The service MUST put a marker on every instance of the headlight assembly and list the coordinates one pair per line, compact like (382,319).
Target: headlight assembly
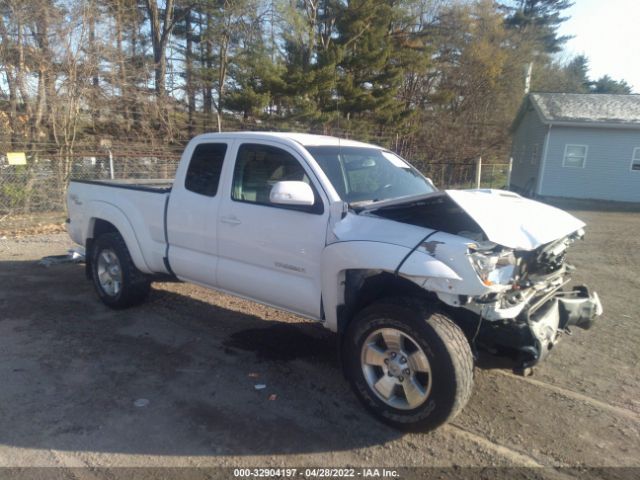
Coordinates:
(493,268)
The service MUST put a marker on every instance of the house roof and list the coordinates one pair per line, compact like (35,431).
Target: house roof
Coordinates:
(585,109)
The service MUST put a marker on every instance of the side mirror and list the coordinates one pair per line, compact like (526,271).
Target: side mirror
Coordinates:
(292,193)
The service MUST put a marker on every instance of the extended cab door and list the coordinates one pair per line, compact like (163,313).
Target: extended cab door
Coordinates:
(268,252)
(193,211)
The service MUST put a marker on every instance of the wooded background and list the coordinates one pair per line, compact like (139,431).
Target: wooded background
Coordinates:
(438,81)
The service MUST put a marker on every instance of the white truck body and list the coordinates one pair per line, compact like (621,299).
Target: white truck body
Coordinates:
(303,261)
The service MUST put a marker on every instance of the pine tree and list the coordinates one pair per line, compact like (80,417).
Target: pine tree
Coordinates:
(539,20)
(370,68)
(606,84)
(577,73)
(307,89)
(256,80)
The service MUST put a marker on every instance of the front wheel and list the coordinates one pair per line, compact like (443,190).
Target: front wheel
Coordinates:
(412,367)
(117,281)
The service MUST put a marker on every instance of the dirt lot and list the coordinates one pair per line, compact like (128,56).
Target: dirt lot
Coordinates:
(71,371)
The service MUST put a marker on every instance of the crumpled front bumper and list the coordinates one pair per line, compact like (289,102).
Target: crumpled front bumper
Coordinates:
(549,319)
(578,307)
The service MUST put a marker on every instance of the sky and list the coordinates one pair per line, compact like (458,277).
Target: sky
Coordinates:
(607,33)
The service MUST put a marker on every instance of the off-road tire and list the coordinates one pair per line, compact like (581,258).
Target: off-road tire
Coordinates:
(442,341)
(135,285)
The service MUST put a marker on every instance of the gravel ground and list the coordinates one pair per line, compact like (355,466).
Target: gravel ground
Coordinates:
(72,373)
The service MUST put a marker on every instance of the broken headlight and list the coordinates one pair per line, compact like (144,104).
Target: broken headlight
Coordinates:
(493,268)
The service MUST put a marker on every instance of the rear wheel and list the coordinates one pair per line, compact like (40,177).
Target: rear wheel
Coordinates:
(411,367)
(117,281)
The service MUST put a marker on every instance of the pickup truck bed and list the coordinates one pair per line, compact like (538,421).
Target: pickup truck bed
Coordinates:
(145,204)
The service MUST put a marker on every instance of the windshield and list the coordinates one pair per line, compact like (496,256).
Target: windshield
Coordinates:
(361,174)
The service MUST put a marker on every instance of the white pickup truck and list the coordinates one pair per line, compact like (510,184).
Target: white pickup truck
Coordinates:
(414,280)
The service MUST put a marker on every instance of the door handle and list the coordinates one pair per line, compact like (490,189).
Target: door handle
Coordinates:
(232,220)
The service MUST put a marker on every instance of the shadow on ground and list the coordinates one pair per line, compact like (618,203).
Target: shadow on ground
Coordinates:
(210,379)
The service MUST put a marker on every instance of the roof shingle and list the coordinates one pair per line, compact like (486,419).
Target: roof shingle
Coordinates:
(588,108)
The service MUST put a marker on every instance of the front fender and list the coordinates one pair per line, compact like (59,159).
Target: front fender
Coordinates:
(339,257)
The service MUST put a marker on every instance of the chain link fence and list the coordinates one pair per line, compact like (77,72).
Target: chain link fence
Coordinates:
(35,193)
(465,175)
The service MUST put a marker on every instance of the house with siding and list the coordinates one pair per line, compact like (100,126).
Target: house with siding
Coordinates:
(577,146)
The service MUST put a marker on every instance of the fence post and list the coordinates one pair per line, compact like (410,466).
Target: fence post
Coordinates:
(509,173)
(478,172)
(111,165)
(106,144)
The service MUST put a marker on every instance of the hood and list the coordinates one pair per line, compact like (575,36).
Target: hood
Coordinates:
(499,216)
(513,221)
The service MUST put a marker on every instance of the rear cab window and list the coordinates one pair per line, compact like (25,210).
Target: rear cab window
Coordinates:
(205,167)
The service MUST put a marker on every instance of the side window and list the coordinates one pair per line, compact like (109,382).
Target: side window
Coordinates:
(574,156)
(259,167)
(204,170)
(635,159)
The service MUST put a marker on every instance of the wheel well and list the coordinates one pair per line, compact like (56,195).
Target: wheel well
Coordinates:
(363,287)
(100,227)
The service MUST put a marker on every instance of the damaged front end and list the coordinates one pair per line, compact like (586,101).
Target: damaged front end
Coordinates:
(529,309)
(509,292)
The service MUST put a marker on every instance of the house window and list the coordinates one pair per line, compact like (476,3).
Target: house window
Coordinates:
(575,156)
(635,160)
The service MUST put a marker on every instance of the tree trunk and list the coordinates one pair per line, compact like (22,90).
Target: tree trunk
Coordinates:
(160,73)
(191,96)
(94,64)
(160,32)
(122,71)
(208,89)
(223,62)
(133,87)
(13,108)
(20,73)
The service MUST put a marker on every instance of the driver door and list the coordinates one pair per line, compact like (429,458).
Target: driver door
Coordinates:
(268,252)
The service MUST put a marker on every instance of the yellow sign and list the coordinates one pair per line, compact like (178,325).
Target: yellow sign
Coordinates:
(17,158)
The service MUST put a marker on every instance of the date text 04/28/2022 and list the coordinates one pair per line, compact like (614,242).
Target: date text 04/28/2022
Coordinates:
(315,472)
